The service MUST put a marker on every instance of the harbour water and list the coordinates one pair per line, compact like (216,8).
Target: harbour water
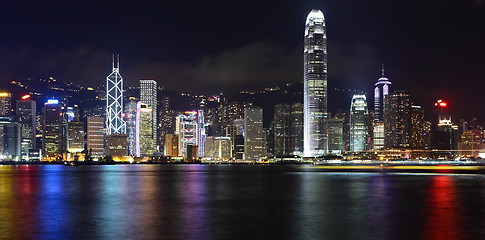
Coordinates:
(236,202)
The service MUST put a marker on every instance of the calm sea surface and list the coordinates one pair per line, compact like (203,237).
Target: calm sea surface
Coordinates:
(235,202)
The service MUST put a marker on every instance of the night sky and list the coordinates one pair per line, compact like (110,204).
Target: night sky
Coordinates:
(432,49)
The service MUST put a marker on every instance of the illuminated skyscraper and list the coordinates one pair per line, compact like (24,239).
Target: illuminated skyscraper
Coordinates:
(358,123)
(315,85)
(397,120)
(52,134)
(114,101)
(5,106)
(381,90)
(95,136)
(130,120)
(253,132)
(144,134)
(26,114)
(148,95)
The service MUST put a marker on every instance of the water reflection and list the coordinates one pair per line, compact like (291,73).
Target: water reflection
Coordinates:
(234,202)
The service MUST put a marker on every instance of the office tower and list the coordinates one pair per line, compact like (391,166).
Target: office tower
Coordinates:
(27,116)
(281,130)
(381,90)
(187,130)
(358,123)
(470,143)
(441,131)
(10,138)
(114,101)
(218,147)
(144,130)
(315,85)
(335,132)
(75,137)
(397,120)
(253,132)
(201,135)
(296,129)
(5,104)
(171,145)
(96,132)
(417,127)
(238,140)
(148,95)
(52,131)
(116,146)
(130,120)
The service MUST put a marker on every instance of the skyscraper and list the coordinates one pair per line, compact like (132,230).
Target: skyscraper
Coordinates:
(95,136)
(253,132)
(144,128)
(281,129)
(130,120)
(381,90)
(358,123)
(296,129)
(114,101)
(148,95)
(52,134)
(5,105)
(27,116)
(315,85)
(397,121)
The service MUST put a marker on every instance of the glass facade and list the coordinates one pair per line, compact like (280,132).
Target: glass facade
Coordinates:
(358,123)
(315,85)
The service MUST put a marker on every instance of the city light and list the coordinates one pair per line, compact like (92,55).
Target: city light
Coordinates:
(52,101)
(25,97)
(3,94)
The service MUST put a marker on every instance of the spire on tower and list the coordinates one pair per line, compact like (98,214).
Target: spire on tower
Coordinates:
(382,70)
(118,62)
(113,61)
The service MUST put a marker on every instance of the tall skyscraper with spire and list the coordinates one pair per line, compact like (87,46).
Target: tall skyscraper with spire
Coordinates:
(114,101)
(381,90)
(315,86)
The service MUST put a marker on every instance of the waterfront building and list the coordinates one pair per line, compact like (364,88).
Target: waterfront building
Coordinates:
(5,104)
(296,129)
(201,133)
(358,123)
(96,131)
(148,95)
(253,133)
(10,138)
(114,101)
(172,145)
(470,143)
(281,130)
(335,132)
(116,146)
(397,121)
(144,130)
(441,127)
(52,137)
(187,131)
(417,127)
(130,120)
(75,137)
(27,116)
(218,147)
(315,85)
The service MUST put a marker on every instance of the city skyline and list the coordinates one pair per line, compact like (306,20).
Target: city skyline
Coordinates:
(362,36)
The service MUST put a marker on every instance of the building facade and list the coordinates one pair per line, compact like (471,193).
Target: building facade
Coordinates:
(148,95)
(315,85)
(253,133)
(358,123)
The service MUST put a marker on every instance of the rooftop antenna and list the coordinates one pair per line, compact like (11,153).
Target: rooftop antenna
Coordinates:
(118,60)
(382,70)
(113,61)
